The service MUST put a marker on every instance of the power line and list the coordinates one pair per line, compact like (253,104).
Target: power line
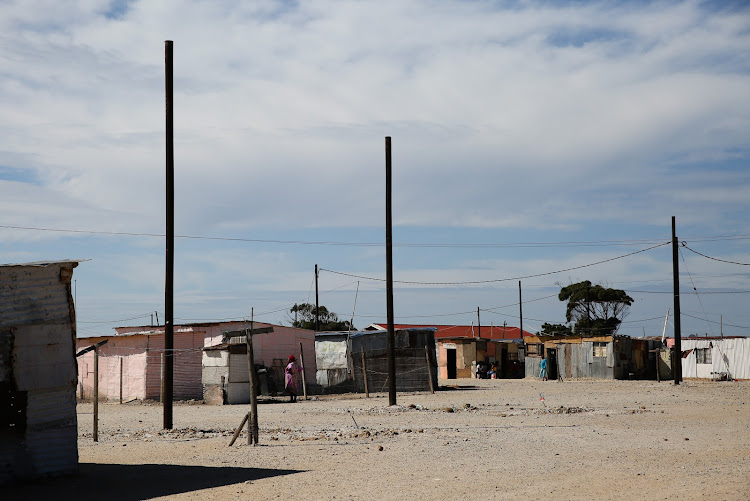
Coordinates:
(573,243)
(696,292)
(686,292)
(715,322)
(714,258)
(474,282)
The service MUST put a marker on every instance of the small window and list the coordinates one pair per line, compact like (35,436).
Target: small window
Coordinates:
(703,355)
(535,350)
(600,349)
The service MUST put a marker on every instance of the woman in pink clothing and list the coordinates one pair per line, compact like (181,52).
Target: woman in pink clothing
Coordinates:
(291,380)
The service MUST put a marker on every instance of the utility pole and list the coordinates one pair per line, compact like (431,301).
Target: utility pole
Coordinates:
(504,325)
(317,306)
(520,309)
(479,324)
(389,276)
(677,364)
(169,279)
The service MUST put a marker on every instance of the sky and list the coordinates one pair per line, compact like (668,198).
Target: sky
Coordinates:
(532,141)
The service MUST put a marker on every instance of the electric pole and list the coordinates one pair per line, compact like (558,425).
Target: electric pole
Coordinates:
(677,364)
(389,276)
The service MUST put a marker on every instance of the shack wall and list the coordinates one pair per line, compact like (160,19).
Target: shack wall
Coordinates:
(37,371)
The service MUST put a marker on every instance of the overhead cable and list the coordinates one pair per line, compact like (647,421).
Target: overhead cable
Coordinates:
(475,282)
(714,258)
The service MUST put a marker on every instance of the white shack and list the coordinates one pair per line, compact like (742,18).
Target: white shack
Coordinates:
(716,357)
(38,428)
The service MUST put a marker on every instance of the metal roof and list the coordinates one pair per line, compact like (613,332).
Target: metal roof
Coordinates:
(48,263)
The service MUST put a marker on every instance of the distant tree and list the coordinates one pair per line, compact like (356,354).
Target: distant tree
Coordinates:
(327,320)
(555,330)
(596,310)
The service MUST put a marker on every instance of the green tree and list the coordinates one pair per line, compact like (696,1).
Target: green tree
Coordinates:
(596,310)
(327,320)
(555,330)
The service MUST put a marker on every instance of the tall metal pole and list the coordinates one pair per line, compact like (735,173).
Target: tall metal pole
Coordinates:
(677,364)
(389,276)
(520,309)
(317,305)
(169,281)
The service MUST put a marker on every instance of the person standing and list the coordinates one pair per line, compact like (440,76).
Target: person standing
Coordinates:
(543,369)
(291,379)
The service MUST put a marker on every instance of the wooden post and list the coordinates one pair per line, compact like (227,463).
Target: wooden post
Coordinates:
(364,373)
(302,366)
(96,393)
(120,380)
(252,425)
(238,430)
(429,368)
(168,386)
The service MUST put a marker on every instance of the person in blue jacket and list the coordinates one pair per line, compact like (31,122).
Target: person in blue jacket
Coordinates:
(543,369)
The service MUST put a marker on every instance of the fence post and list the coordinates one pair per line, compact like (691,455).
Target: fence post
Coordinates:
(96,393)
(429,368)
(252,424)
(364,373)
(302,366)
(120,380)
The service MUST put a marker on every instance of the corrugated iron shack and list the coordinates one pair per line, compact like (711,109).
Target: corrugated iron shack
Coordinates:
(715,357)
(130,364)
(458,356)
(340,367)
(225,369)
(601,357)
(38,427)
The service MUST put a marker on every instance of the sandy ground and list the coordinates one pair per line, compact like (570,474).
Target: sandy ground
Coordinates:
(473,439)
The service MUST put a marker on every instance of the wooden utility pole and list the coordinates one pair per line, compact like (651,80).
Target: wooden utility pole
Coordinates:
(169,279)
(520,310)
(677,359)
(302,367)
(317,304)
(389,276)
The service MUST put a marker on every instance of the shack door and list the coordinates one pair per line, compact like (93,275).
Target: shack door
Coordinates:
(450,355)
(552,363)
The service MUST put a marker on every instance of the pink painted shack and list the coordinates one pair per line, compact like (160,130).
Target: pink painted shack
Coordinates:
(225,368)
(130,364)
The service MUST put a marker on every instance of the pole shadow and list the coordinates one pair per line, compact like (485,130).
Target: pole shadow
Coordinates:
(125,482)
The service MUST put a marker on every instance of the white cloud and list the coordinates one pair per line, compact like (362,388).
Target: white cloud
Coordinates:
(532,117)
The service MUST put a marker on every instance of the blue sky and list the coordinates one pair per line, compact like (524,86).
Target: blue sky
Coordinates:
(528,138)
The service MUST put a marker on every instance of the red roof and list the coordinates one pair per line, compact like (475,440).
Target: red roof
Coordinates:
(487,332)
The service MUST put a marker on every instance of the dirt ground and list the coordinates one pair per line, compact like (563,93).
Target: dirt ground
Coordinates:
(473,439)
